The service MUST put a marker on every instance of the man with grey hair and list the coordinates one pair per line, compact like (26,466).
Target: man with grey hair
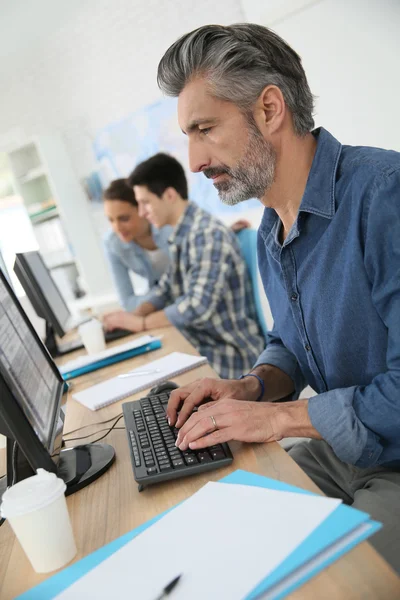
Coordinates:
(329,257)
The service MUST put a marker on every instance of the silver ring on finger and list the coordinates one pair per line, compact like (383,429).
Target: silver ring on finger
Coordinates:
(214,422)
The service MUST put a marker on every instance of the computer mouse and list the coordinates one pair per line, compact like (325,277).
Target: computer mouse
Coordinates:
(167,386)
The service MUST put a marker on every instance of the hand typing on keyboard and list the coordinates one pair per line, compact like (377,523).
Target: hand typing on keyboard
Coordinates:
(186,398)
(154,454)
(227,420)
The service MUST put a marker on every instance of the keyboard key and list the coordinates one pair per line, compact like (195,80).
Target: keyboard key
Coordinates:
(164,468)
(204,457)
(162,455)
(178,463)
(217,454)
(151,470)
(190,460)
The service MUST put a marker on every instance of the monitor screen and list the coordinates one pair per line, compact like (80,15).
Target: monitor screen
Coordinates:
(41,290)
(28,369)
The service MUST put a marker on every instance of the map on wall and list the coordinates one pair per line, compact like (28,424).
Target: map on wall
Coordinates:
(122,145)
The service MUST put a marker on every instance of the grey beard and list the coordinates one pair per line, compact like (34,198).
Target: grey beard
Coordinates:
(253,175)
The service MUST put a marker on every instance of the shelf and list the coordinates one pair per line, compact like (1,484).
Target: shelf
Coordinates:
(32,175)
(44,215)
(61,265)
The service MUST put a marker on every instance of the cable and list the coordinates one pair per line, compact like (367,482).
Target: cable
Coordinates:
(84,437)
(91,425)
(95,432)
(14,463)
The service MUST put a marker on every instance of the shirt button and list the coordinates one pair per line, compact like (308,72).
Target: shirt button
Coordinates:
(294,296)
(307,347)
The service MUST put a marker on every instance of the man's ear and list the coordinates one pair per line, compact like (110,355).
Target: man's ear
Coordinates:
(269,110)
(170,194)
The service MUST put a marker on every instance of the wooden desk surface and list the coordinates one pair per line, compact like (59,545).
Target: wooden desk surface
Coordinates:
(112,505)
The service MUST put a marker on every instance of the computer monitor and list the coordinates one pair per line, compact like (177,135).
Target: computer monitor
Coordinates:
(32,405)
(49,304)
(45,298)
(43,293)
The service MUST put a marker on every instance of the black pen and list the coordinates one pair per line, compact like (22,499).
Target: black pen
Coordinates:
(168,588)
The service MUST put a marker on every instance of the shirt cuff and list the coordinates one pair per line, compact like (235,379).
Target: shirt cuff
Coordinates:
(333,416)
(157,301)
(132,303)
(174,316)
(280,357)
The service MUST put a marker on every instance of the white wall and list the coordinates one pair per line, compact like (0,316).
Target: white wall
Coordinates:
(350,51)
(76,66)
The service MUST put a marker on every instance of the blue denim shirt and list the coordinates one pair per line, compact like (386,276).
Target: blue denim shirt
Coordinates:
(334,291)
(124,257)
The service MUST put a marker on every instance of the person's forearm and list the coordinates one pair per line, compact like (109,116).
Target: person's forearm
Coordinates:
(277,384)
(155,320)
(292,420)
(146,308)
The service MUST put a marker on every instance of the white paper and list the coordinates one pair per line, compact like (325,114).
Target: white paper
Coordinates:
(224,540)
(87,359)
(118,388)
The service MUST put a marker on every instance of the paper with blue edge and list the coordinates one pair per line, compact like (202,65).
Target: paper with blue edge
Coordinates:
(338,524)
(341,522)
(112,360)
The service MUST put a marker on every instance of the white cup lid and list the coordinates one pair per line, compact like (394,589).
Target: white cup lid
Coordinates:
(32,494)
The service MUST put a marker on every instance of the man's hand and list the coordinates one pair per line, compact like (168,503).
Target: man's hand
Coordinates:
(239,225)
(245,422)
(235,419)
(202,390)
(123,320)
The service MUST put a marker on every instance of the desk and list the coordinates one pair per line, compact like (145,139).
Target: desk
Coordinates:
(112,505)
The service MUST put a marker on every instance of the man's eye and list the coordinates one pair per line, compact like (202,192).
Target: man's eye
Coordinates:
(206,130)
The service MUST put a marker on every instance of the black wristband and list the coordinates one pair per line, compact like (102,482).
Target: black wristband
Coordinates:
(261,383)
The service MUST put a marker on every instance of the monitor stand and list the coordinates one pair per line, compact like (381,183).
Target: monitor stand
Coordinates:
(78,466)
(81,465)
(57,349)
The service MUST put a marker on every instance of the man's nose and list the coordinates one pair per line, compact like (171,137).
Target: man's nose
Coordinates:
(199,158)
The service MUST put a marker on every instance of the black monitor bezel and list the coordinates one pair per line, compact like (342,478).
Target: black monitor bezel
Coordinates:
(15,422)
(36,294)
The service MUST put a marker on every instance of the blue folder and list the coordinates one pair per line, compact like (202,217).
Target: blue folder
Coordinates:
(340,523)
(105,362)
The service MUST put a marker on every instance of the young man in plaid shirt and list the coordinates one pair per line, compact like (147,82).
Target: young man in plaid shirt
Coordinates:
(206,292)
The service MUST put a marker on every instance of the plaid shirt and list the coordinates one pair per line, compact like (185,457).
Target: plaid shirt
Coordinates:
(206,293)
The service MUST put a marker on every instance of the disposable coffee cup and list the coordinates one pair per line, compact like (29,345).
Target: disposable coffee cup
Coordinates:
(37,511)
(92,336)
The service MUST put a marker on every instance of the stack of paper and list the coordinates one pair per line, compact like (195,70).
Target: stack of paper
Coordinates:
(285,534)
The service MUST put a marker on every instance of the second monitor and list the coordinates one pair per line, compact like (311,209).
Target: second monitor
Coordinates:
(49,304)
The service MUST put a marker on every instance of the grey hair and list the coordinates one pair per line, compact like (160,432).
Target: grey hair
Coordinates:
(238,62)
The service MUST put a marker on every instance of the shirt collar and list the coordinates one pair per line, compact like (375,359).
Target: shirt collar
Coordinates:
(184,225)
(319,195)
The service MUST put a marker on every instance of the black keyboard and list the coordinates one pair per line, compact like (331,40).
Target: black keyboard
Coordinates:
(116,334)
(153,452)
